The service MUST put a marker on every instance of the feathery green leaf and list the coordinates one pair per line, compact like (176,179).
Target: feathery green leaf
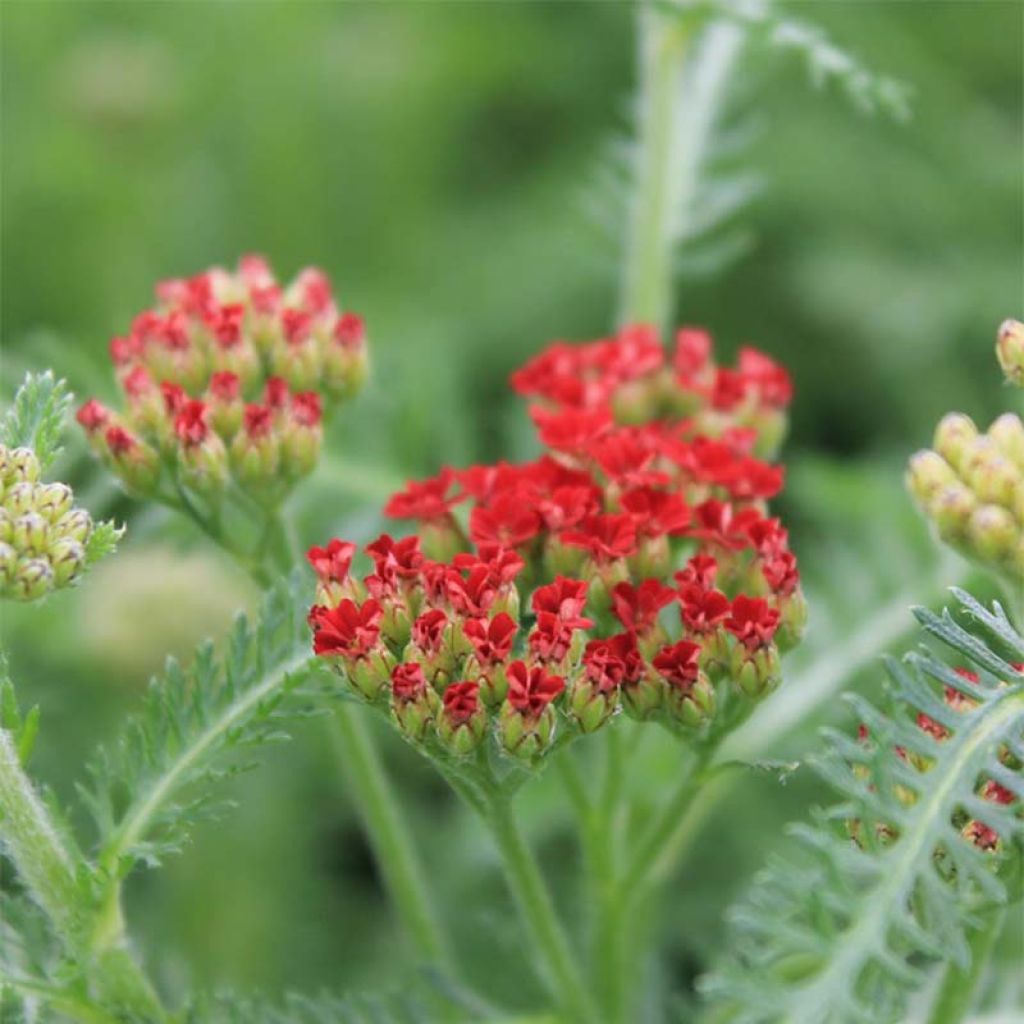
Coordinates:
(36,417)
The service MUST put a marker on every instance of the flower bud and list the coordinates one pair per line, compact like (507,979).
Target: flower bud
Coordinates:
(953,435)
(204,466)
(74,525)
(32,579)
(1008,434)
(8,563)
(792,620)
(1010,351)
(694,704)
(992,532)
(927,473)
(67,557)
(524,736)
(345,362)
(53,501)
(256,452)
(643,698)
(302,435)
(135,462)
(20,498)
(757,672)
(951,511)
(371,674)
(414,704)
(463,722)
(991,475)
(224,400)
(22,465)
(6,525)
(31,533)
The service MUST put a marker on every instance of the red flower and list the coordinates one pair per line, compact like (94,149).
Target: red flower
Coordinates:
(679,664)
(190,424)
(461,702)
(426,500)
(174,397)
(702,610)
(503,564)
(226,324)
(606,537)
(392,558)
(769,379)
(752,621)
(258,420)
(119,441)
(563,598)
(692,355)
(349,629)
(610,662)
(637,607)
(655,512)
(93,415)
(569,506)
(123,350)
(137,382)
(315,290)
(225,386)
(531,690)
(408,681)
(717,522)
(306,408)
(625,457)
(331,564)
(699,571)
(510,519)
(276,393)
(428,631)
(551,637)
(571,430)
(297,325)
(492,639)
(471,595)
(781,573)
(349,330)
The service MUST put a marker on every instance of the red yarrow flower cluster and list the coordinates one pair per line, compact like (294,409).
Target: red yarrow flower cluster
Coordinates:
(632,566)
(228,377)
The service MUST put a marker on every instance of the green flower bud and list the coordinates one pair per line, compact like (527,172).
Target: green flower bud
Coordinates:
(692,706)
(204,466)
(589,706)
(8,563)
(67,558)
(22,465)
(74,525)
(992,533)
(21,498)
(1008,434)
(757,672)
(370,676)
(300,449)
(31,533)
(951,511)
(416,717)
(642,699)
(1010,351)
(792,621)
(991,475)
(953,435)
(33,578)
(6,526)
(255,462)
(53,500)
(523,737)
(927,473)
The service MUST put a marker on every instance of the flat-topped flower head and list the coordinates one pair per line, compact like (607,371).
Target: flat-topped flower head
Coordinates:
(228,376)
(632,566)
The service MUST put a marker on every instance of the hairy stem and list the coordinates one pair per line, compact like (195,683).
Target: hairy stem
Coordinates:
(555,957)
(955,996)
(647,273)
(43,862)
(392,844)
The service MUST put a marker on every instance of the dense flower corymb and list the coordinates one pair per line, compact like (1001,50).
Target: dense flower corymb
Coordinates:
(226,379)
(631,566)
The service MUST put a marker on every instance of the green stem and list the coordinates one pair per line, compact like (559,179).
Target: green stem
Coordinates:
(647,273)
(554,955)
(959,986)
(608,949)
(49,870)
(389,836)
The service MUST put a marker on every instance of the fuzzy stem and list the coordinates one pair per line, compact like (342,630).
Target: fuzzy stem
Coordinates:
(647,272)
(956,994)
(555,957)
(391,841)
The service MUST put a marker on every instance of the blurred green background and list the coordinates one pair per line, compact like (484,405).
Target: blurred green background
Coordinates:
(437,159)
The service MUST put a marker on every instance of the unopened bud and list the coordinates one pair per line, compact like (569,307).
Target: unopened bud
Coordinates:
(992,532)
(523,736)
(1010,351)
(792,620)
(927,473)
(462,725)
(1008,434)
(589,706)
(67,557)
(643,698)
(6,525)
(370,676)
(951,511)
(757,672)
(8,563)
(31,533)
(23,465)
(991,475)
(954,434)
(53,500)
(20,498)
(204,466)
(32,579)
(694,704)
(75,525)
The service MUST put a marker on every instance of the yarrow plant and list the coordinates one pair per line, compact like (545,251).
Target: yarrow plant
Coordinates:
(529,626)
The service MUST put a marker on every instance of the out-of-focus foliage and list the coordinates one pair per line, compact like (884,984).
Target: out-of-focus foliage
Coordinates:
(436,160)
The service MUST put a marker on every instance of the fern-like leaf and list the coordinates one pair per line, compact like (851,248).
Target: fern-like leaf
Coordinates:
(36,416)
(846,931)
(150,785)
(392,1008)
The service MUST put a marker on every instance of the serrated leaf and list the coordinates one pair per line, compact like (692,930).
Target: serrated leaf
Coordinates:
(36,416)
